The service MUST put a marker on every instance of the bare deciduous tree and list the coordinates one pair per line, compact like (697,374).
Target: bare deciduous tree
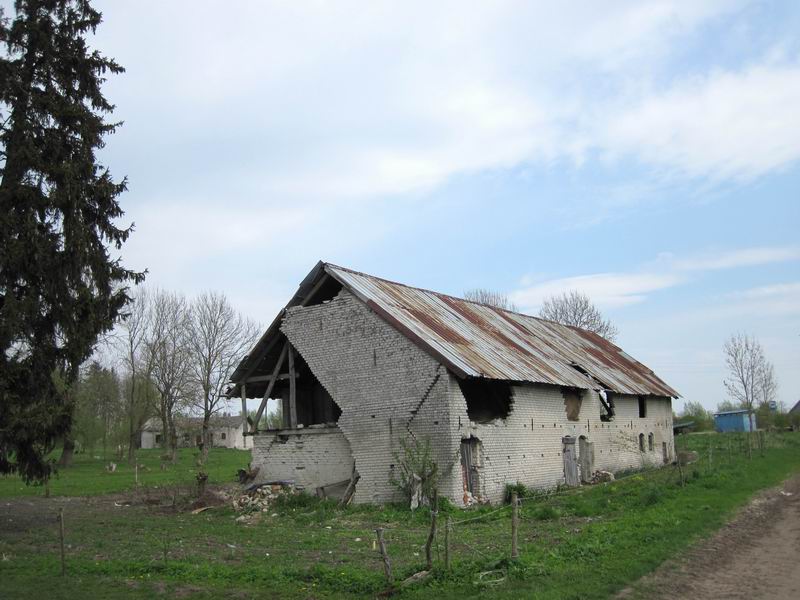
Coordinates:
(747,369)
(767,384)
(168,349)
(744,358)
(218,338)
(576,309)
(138,363)
(491,298)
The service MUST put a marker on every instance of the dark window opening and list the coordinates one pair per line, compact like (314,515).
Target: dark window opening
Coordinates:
(158,438)
(650,442)
(487,399)
(642,407)
(572,403)
(186,437)
(224,436)
(641,442)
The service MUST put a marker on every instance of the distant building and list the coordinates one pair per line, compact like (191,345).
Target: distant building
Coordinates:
(226,431)
(735,420)
(795,410)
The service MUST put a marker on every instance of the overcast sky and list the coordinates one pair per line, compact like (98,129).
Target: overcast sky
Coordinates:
(645,153)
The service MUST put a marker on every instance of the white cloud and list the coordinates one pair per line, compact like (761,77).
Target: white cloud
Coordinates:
(775,300)
(607,290)
(350,100)
(746,257)
(615,290)
(727,125)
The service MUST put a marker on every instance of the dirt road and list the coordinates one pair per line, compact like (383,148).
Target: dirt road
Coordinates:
(755,556)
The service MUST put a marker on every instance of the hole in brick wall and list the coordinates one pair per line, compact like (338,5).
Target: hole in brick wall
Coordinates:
(642,407)
(607,412)
(572,403)
(325,293)
(487,399)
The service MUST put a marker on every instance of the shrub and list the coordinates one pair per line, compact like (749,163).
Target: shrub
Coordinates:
(415,463)
(518,487)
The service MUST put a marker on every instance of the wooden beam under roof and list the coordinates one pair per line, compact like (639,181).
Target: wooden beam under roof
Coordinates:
(268,391)
(292,390)
(298,301)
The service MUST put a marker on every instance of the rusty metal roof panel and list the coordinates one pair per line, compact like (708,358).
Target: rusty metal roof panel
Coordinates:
(476,340)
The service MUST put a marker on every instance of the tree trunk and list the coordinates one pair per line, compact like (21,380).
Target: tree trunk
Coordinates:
(132,442)
(204,449)
(68,451)
(164,432)
(173,441)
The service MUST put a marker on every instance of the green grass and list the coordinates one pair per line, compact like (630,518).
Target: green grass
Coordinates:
(87,476)
(585,543)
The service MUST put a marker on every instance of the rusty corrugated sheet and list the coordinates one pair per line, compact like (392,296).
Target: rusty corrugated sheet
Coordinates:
(476,340)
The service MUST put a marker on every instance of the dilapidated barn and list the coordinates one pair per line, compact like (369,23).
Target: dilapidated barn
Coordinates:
(361,364)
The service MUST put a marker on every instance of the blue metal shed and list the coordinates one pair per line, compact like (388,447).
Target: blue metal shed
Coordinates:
(735,420)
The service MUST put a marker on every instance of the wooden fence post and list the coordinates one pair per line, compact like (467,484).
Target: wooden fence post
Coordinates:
(387,566)
(447,527)
(514,519)
(61,538)
(432,533)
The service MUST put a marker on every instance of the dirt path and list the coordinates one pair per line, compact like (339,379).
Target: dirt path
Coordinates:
(753,556)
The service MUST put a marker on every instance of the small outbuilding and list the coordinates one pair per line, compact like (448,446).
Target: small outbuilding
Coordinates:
(735,420)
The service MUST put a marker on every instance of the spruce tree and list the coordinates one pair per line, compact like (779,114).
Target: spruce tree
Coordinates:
(60,286)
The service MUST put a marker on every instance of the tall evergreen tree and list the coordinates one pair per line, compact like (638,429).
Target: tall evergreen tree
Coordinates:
(60,288)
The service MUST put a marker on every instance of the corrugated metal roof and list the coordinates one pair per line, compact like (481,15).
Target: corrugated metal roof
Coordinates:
(740,411)
(477,340)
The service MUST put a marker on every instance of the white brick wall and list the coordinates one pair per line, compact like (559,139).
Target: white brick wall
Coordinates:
(526,447)
(387,387)
(375,375)
(311,458)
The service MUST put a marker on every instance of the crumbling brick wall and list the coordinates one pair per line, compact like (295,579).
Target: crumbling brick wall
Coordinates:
(389,389)
(386,387)
(311,458)
(527,446)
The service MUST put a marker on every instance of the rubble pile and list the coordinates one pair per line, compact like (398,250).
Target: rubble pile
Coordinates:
(602,477)
(258,498)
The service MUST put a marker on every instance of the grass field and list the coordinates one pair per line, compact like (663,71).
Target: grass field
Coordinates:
(88,476)
(586,543)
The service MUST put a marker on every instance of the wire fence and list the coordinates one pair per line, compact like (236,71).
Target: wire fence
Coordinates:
(703,454)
